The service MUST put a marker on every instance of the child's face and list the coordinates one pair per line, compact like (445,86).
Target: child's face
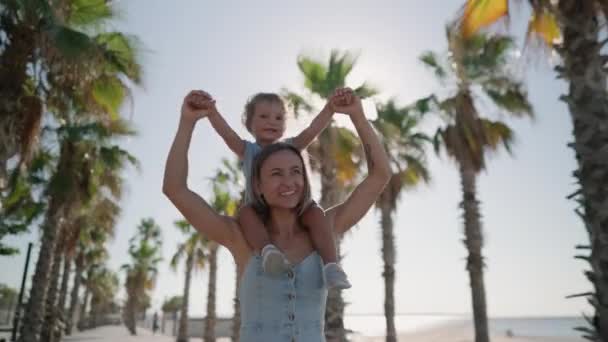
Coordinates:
(268,121)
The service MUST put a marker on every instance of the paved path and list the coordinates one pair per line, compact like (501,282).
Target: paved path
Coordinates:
(119,333)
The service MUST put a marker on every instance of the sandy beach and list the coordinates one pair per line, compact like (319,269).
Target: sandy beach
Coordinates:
(451,332)
(460,332)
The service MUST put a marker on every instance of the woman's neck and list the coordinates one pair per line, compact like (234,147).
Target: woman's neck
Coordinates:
(283,223)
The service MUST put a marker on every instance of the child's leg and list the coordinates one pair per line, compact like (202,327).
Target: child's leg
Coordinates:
(323,239)
(321,233)
(256,235)
(253,228)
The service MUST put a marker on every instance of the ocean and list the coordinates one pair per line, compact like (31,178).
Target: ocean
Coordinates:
(373,325)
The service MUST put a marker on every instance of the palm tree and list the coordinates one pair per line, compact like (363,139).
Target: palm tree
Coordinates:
(224,202)
(83,149)
(405,146)
(66,48)
(580,25)
(171,306)
(467,137)
(86,155)
(93,229)
(194,250)
(104,287)
(144,251)
(100,214)
(94,258)
(338,149)
(83,77)
(211,317)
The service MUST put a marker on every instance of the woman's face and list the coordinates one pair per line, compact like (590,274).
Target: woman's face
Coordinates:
(282,180)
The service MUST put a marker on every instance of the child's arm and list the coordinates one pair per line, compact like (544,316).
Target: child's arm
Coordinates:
(231,138)
(318,124)
(202,100)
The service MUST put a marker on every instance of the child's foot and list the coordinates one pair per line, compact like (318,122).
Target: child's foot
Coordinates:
(273,260)
(336,277)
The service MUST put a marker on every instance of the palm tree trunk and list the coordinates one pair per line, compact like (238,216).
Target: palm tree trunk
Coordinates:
(35,308)
(388,256)
(587,100)
(182,333)
(94,313)
(330,195)
(74,295)
(474,242)
(236,318)
(63,293)
(130,312)
(52,307)
(209,334)
(46,334)
(83,308)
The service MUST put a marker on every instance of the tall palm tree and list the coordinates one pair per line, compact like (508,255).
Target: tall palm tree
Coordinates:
(84,76)
(86,157)
(92,231)
(211,317)
(338,149)
(83,147)
(94,257)
(225,201)
(104,288)
(405,147)
(101,212)
(171,307)
(61,44)
(194,249)
(479,62)
(575,31)
(144,250)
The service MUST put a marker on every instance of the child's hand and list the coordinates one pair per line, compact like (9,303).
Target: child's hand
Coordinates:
(344,100)
(197,105)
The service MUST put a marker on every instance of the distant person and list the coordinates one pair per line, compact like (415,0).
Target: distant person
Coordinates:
(265,117)
(291,304)
(155,323)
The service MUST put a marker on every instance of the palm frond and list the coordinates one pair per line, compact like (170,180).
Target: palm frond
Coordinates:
(431,60)
(481,13)
(88,12)
(366,90)
(498,133)
(314,73)
(297,103)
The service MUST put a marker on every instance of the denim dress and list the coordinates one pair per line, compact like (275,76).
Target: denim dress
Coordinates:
(287,308)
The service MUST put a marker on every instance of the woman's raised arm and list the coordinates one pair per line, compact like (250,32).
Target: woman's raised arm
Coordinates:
(348,213)
(195,209)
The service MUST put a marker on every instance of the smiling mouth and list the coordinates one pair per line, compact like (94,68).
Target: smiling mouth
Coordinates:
(288,193)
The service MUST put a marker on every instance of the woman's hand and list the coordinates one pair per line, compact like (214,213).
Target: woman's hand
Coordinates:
(197,105)
(344,100)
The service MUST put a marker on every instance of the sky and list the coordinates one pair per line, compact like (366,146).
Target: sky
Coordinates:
(233,49)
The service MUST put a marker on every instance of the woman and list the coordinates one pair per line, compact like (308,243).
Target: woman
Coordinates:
(291,306)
